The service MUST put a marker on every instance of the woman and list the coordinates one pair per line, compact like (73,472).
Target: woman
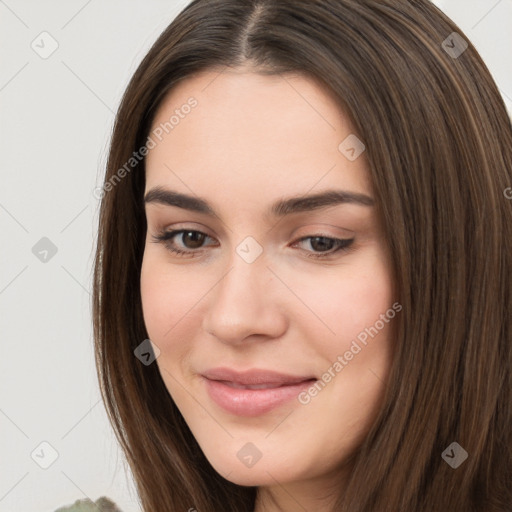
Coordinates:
(305,211)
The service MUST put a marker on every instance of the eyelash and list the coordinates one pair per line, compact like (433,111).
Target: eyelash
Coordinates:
(165,237)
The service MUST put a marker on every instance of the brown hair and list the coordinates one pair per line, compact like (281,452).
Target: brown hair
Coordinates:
(439,149)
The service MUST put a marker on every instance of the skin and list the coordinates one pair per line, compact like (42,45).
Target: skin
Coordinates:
(252,140)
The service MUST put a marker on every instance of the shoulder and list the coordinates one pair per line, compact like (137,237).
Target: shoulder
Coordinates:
(102,504)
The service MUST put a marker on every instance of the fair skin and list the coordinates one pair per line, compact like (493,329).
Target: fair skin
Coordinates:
(251,141)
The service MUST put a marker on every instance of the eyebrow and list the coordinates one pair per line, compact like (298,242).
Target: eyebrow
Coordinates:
(280,208)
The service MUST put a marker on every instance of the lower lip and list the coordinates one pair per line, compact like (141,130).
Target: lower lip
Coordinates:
(253,402)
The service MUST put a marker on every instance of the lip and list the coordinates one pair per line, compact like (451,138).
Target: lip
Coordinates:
(253,392)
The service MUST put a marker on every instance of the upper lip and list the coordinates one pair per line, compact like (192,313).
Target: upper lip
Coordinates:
(254,376)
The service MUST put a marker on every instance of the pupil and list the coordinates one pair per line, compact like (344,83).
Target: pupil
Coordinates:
(321,243)
(193,239)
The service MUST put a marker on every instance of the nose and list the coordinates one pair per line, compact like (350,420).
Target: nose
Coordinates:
(245,304)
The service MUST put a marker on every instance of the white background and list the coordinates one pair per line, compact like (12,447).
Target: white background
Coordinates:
(56,117)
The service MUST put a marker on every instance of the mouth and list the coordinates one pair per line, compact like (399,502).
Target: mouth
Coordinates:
(236,385)
(254,392)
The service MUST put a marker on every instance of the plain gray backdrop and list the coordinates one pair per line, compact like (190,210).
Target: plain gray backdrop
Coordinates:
(64,67)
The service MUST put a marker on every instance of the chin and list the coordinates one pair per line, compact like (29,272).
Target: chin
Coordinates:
(248,467)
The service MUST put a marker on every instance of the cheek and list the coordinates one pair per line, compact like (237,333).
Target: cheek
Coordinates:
(348,300)
(167,297)
(154,294)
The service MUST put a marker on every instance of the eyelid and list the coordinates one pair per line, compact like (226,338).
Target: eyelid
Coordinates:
(319,229)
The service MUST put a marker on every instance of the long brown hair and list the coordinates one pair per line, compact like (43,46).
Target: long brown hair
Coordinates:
(439,148)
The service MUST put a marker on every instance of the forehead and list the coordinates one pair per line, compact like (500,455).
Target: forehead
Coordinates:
(251,134)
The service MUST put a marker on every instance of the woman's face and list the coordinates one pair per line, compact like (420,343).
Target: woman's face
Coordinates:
(274,320)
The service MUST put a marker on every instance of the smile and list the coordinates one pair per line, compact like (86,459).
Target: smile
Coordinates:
(254,392)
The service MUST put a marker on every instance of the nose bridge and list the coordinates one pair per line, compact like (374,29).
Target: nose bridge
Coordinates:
(239,305)
(246,271)
(239,287)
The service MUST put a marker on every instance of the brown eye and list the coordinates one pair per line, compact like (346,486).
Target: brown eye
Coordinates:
(322,243)
(324,246)
(193,239)
(184,242)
